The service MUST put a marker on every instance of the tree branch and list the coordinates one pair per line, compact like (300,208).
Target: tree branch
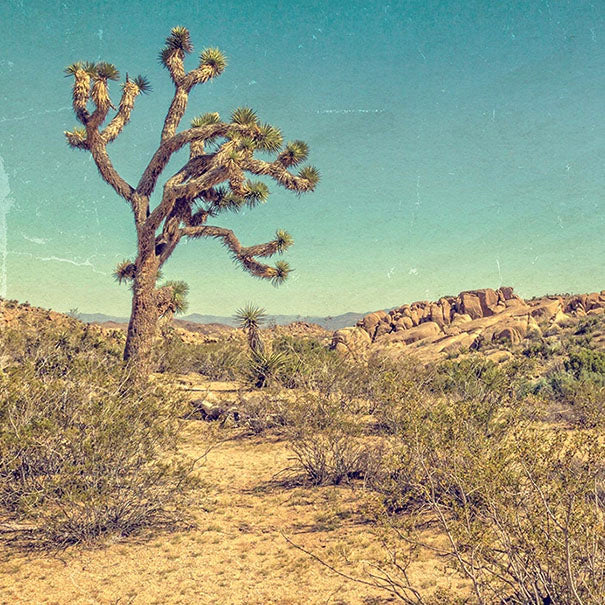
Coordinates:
(243,255)
(97,148)
(170,146)
(279,173)
(122,117)
(81,92)
(100,97)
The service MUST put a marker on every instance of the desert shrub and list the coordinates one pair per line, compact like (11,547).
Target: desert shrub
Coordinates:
(586,363)
(522,509)
(540,348)
(329,444)
(264,367)
(471,377)
(476,377)
(268,410)
(310,364)
(578,383)
(80,454)
(225,360)
(588,325)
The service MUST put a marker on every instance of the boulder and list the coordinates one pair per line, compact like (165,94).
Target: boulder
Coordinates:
(515,302)
(532,327)
(562,319)
(210,410)
(488,299)
(427,329)
(384,327)
(455,342)
(507,292)
(436,315)
(351,341)
(460,318)
(370,322)
(470,305)
(508,334)
(407,322)
(594,301)
(499,356)
(446,309)
(596,311)
(545,309)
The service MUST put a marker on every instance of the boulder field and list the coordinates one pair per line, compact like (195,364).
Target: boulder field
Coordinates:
(452,324)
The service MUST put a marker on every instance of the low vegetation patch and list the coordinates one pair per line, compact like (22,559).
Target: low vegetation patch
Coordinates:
(81,455)
(497,470)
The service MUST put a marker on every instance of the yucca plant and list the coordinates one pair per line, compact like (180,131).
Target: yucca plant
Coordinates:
(214,180)
(250,319)
(265,366)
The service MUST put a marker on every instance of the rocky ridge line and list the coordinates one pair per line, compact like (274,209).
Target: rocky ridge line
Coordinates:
(473,318)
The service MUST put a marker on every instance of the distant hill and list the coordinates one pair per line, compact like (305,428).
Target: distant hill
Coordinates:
(99,318)
(329,323)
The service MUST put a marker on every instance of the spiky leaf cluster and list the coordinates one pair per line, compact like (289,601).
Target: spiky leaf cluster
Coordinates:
(268,138)
(180,289)
(283,240)
(143,84)
(106,71)
(233,157)
(294,153)
(250,317)
(72,69)
(178,44)
(224,199)
(76,138)
(90,68)
(179,40)
(258,192)
(246,144)
(87,66)
(244,116)
(282,270)
(310,174)
(214,59)
(205,119)
(125,271)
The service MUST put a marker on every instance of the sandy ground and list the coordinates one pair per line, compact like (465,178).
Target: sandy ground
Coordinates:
(237,554)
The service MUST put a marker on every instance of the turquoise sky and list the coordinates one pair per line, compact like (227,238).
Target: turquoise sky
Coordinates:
(461,145)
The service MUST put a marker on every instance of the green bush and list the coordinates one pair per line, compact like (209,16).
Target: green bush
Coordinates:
(579,385)
(475,377)
(585,363)
(308,363)
(589,325)
(225,360)
(542,349)
(264,368)
(81,456)
(522,509)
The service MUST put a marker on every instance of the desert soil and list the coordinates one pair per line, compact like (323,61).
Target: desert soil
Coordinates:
(237,554)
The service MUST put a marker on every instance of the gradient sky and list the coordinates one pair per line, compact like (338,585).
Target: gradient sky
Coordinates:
(461,145)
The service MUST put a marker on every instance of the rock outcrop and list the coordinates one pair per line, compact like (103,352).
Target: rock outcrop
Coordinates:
(473,318)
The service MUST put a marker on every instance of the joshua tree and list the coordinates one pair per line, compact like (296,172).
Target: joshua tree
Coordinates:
(250,319)
(213,179)
(263,366)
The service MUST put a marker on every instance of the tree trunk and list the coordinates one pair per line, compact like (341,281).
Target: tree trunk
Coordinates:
(143,319)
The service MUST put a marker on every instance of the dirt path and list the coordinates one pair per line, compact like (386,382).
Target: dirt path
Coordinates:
(236,555)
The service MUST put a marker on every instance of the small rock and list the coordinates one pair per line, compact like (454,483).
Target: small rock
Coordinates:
(499,356)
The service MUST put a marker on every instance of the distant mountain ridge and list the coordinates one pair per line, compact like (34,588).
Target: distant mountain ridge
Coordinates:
(335,322)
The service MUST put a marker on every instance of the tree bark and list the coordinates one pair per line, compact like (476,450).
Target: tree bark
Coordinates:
(143,319)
